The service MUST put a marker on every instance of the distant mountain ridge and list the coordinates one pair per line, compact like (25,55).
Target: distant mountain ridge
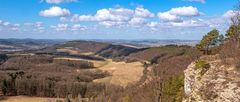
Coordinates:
(11,45)
(93,45)
(150,42)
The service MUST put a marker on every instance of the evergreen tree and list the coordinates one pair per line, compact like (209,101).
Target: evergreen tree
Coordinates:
(211,39)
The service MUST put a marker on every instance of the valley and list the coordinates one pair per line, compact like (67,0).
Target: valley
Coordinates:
(89,71)
(83,68)
(120,51)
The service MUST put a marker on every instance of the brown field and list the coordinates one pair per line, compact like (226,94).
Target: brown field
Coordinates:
(122,73)
(29,99)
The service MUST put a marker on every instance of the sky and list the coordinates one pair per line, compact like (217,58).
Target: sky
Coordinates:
(114,19)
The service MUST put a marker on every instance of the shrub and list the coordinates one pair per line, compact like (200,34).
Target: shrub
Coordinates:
(173,89)
(238,66)
(3,58)
(200,64)
(84,78)
(59,100)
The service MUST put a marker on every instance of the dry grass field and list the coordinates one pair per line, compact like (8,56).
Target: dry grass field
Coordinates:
(122,73)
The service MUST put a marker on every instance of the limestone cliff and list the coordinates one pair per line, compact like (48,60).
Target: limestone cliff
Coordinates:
(209,80)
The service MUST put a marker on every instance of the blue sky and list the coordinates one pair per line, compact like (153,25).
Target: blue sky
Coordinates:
(113,19)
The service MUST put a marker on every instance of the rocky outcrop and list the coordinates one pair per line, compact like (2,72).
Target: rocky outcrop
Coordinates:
(218,83)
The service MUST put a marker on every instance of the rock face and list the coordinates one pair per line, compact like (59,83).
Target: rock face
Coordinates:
(219,83)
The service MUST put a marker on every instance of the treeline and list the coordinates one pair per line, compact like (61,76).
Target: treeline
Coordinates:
(3,58)
(51,84)
(25,62)
(35,61)
(66,54)
(20,84)
(42,75)
(80,64)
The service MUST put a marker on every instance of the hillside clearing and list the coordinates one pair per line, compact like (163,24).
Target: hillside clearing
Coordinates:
(122,73)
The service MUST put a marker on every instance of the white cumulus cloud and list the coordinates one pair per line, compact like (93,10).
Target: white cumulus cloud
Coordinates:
(111,23)
(60,27)
(112,14)
(9,26)
(190,23)
(152,24)
(116,16)
(176,14)
(167,17)
(185,11)
(144,13)
(77,27)
(6,23)
(136,21)
(54,12)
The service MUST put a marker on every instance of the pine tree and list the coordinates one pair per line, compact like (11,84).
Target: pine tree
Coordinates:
(211,39)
